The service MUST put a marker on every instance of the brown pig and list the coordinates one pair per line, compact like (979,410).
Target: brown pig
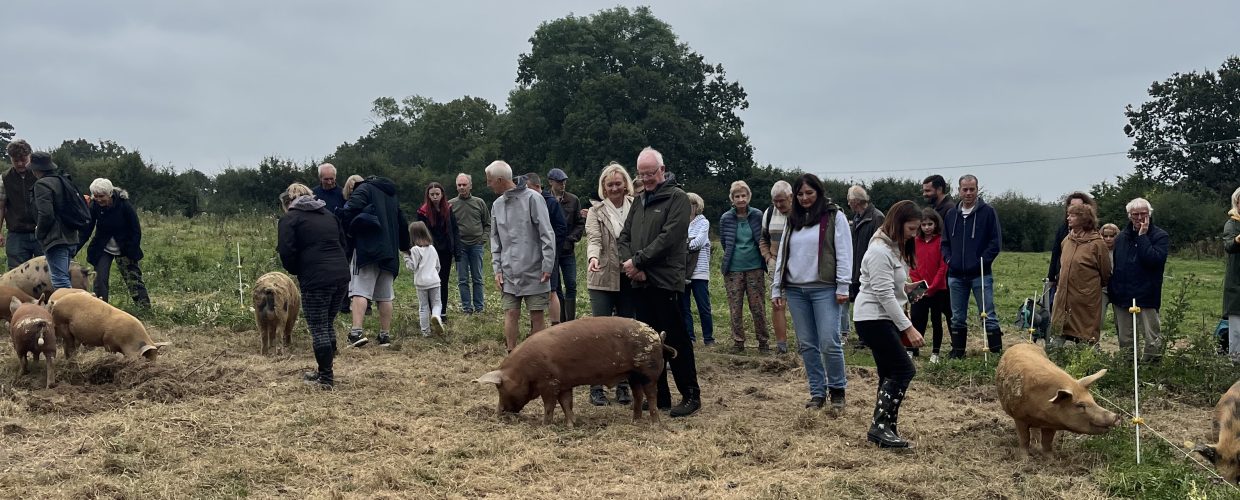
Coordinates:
(34,278)
(1225,452)
(587,351)
(277,301)
(1038,394)
(82,318)
(33,333)
(6,294)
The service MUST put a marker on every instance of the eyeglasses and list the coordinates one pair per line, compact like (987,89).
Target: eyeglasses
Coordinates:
(647,175)
(1138,214)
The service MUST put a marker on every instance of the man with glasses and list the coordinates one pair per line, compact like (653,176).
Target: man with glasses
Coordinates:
(653,249)
(17,208)
(1140,257)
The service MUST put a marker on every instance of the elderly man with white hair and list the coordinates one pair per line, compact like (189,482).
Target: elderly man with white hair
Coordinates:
(523,252)
(774,221)
(654,250)
(328,191)
(118,238)
(865,221)
(1140,257)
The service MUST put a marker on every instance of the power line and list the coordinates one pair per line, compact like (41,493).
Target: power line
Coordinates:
(1039,160)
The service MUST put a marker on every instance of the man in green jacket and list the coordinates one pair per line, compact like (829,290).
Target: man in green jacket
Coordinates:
(473,217)
(653,247)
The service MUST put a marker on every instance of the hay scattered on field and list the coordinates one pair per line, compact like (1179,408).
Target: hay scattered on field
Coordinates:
(212,418)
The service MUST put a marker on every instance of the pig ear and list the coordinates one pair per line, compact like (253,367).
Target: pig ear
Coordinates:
(493,377)
(1063,396)
(1089,380)
(14,303)
(1208,451)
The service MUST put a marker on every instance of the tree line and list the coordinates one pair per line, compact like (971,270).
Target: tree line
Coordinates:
(595,89)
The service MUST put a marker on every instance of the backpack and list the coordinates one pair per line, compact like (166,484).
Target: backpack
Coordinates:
(72,212)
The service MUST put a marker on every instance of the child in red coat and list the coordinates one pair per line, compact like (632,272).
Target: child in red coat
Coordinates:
(930,268)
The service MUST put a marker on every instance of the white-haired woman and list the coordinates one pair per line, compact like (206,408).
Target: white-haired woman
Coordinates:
(118,238)
(773,222)
(740,233)
(1231,280)
(610,290)
(697,283)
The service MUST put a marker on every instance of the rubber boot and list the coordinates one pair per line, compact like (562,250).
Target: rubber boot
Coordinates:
(597,396)
(994,340)
(958,338)
(886,416)
(324,377)
(569,311)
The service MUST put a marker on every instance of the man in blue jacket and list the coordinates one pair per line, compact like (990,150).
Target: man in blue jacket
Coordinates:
(971,242)
(1140,257)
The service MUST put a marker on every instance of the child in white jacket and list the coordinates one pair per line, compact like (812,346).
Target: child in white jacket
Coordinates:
(424,263)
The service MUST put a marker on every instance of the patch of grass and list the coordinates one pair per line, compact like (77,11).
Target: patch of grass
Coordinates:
(1163,472)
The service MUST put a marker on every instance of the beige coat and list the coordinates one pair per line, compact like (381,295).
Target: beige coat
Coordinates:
(601,244)
(1084,271)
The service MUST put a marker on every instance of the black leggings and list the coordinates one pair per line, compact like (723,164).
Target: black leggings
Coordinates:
(937,308)
(889,354)
(445,270)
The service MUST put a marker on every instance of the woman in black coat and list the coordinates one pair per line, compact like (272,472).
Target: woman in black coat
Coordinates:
(118,237)
(310,242)
(437,215)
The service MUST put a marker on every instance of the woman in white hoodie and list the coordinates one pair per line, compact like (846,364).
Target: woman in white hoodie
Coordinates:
(423,260)
(880,319)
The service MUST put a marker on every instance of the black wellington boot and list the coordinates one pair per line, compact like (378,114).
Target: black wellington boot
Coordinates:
(324,378)
(958,338)
(886,414)
(994,340)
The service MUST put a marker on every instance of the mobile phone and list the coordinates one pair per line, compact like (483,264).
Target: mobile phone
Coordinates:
(918,290)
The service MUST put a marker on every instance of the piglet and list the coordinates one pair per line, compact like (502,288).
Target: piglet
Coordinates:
(7,293)
(587,351)
(1225,452)
(81,318)
(32,332)
(1038,394)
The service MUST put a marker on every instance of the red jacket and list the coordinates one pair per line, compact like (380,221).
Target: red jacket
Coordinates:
(930,265)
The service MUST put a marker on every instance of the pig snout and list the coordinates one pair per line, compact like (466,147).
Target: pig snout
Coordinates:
(1099,420)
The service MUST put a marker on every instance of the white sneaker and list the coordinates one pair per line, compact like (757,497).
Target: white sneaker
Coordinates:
(436,325)
(934,359)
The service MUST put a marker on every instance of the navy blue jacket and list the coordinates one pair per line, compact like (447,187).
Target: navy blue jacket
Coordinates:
(333,198)
(966,238)
(1139,263)
(559,224)
(373,218)
(727,233)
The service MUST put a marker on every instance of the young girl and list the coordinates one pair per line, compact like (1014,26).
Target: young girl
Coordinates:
(424,262)
(935,303)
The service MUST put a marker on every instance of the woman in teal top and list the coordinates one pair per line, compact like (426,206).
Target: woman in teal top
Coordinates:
(743,268)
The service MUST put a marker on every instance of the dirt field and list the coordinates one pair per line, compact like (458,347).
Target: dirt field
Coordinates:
(215,419)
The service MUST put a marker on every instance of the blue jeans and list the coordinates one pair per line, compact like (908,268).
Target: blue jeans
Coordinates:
(700,289)
(58,258)
(960,290)
(21,247)
(469,270)
(816,318)
(568,273)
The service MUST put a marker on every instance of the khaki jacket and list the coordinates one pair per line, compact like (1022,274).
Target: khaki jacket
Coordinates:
(1084,272)
(601,245)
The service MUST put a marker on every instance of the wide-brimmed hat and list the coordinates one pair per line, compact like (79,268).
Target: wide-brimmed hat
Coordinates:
(41,161)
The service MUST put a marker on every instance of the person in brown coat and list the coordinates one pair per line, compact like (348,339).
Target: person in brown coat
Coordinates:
(1084,271)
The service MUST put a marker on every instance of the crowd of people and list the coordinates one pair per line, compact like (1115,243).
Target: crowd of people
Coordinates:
(888,276)
(46,216)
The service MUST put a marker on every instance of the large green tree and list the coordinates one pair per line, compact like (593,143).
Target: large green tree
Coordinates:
(1190,108)
(599,88)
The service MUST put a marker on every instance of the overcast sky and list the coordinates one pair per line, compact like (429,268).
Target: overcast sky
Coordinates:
(833,89)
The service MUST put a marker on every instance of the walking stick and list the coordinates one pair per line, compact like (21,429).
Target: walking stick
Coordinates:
(1136,388)
(982,302)
(240,286)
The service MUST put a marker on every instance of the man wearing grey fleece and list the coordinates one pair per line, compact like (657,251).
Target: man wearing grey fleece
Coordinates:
(522,249)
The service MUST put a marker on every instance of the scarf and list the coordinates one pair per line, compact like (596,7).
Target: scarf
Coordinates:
(616,215)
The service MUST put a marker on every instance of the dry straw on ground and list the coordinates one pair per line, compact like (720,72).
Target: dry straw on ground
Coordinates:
(215,419)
